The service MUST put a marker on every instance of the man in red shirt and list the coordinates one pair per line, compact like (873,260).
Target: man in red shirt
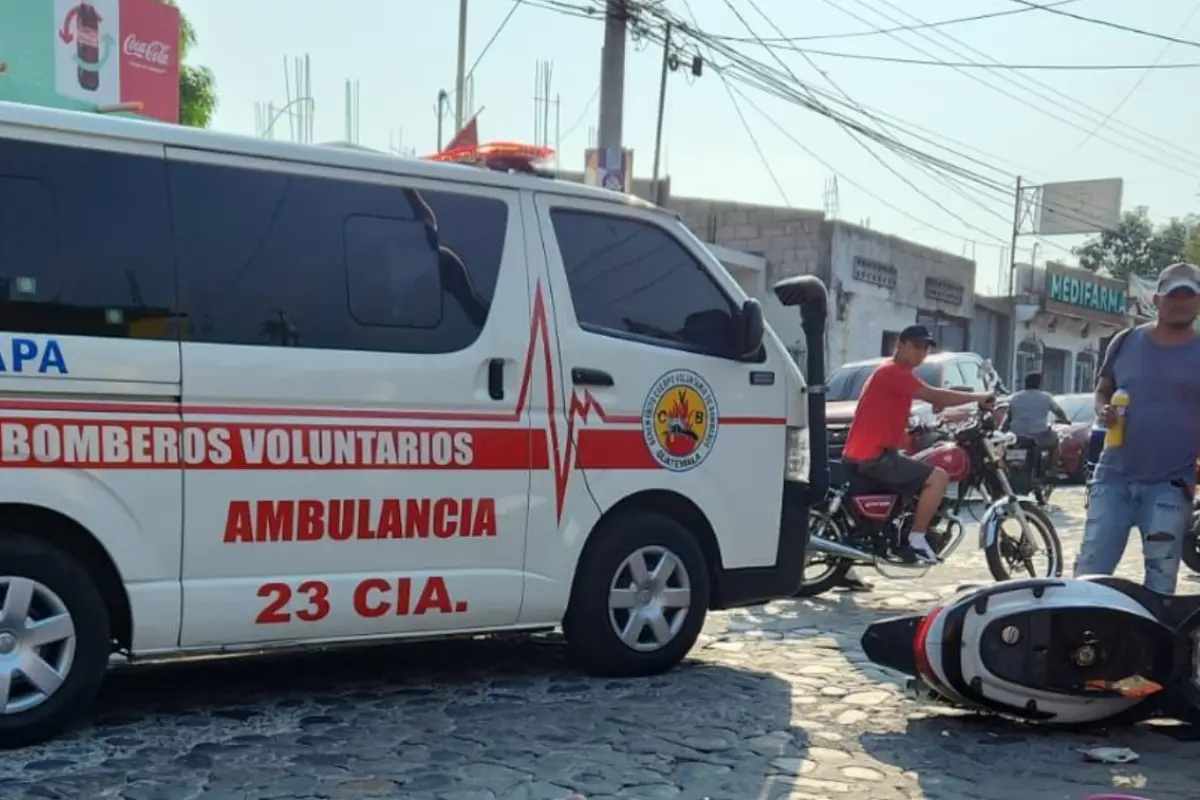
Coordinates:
(880,429)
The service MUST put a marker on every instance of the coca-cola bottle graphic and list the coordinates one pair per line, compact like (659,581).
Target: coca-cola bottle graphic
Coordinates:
(87,34)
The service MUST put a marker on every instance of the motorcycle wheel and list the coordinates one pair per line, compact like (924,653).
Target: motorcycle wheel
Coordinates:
(1191,545)
(836,568)
(1003,551)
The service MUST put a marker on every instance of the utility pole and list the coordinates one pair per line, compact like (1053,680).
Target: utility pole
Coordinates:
(1018,214)
(662,107)
(612,75)
(460,81)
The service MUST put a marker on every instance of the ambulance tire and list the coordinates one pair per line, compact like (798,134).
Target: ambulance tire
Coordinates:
(28,557)
(591,638)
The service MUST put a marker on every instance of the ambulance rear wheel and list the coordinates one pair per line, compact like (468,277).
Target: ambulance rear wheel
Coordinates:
(640,596)
(54,640)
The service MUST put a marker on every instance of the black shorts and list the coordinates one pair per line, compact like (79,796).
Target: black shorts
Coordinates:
(896,471)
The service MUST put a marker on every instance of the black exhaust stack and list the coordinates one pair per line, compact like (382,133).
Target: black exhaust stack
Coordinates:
(809,293)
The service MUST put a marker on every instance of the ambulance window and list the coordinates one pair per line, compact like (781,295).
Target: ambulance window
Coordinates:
(268,258)
(632,278)
(84,243)
(392,272)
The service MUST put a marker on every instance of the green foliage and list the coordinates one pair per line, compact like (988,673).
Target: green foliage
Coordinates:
(1140,247)
(197,85)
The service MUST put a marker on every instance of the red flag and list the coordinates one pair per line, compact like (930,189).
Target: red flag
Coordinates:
(467,137)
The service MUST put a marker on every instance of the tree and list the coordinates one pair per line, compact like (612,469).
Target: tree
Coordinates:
(197,85)
(1139,247)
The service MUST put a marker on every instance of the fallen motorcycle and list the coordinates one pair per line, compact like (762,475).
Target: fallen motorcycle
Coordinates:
(1191,541)
(861,522)
(1052,651)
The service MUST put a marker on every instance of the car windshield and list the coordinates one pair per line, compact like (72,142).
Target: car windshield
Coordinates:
(1078,407)
(846,383)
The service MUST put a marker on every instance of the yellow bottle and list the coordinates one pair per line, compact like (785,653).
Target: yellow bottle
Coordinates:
(1115,437)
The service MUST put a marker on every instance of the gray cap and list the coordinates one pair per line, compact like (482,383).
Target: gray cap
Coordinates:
(1179,276)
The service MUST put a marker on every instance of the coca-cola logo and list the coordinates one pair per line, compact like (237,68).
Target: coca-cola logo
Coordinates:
(152,52)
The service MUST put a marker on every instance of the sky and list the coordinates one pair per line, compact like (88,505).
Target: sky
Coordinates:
(1042,125)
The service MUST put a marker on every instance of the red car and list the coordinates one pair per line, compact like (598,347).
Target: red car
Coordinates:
(1073,438)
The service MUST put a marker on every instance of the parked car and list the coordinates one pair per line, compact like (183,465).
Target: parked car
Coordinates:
(1073,438)
(950,370)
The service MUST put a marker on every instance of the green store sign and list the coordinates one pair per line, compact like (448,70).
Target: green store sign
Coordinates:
(1086,294)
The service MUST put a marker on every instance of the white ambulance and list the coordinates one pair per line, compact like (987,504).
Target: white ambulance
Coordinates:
(257,395)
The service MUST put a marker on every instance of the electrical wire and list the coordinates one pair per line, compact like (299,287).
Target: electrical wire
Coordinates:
(582,115)
(852,133)
(495,35)
(734,94)
(1107,23)
(746,126)
(859,34)
(1007,193)
(1142,138)
(977,65)
(752,73)
(1132,89)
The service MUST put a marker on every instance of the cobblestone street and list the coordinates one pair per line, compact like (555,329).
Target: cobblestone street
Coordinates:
(776,703)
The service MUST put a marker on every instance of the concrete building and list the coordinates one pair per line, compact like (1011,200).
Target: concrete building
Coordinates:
(1063,317)
(878,283)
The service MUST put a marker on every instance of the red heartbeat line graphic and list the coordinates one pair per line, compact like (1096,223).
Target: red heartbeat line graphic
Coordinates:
(580,408)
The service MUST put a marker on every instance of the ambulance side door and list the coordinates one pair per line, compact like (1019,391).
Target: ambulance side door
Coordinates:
(360,464)
(89,360)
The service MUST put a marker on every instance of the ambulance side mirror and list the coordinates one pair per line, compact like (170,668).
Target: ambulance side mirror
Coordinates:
(750,329)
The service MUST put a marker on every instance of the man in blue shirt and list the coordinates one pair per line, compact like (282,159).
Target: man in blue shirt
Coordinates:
(1148,481)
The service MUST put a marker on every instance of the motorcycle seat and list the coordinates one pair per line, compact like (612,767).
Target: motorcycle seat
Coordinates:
(861,484)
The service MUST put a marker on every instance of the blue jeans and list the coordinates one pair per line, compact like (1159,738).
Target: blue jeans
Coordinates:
(1161,512)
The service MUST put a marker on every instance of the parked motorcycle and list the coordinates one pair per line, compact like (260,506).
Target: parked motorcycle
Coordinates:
(861,522)
(1029,469)
(1052,651)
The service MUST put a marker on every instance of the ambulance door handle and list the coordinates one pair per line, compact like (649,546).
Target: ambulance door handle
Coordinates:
(582,376)
(496,379)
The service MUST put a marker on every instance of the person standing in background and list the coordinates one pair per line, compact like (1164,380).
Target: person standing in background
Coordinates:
(1148,478)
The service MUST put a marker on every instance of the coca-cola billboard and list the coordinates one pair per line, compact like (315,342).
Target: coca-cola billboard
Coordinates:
(107,54)
(150,57)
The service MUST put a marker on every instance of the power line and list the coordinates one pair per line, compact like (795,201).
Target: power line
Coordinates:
(764,78)
(582,115)
(496,35)
(1108,24)
(856,139)
(745,124)
(977,65)
(781,39)
(1142,138)
(1132,89)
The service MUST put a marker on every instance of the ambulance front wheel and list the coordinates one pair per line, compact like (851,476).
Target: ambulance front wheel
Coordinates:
(54,640)
(640,595)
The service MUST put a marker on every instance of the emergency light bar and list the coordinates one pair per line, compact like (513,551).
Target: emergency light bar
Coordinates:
(499,156)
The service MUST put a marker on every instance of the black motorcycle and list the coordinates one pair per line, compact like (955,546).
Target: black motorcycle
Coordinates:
(1052,651)
(1030,469)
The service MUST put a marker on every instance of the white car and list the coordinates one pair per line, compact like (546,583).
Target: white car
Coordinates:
(260,395)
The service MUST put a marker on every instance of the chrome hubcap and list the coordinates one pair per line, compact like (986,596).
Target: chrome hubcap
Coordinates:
(37,644)
(649,598)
